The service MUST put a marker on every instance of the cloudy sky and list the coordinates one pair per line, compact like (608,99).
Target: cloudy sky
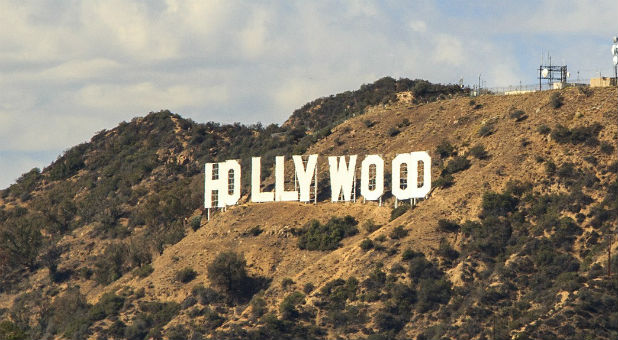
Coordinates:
(71,68)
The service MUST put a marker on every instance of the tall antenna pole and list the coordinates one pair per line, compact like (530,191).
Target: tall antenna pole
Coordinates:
(615,60)
(479,83)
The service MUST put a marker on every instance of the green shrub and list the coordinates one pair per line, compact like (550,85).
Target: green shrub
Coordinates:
(388,322)
(543,129)
(336,293)
(445,149)
(286,282)
(556,100)
(116,329)
(398,232)
(258,305)
(479,152)
(254,231)
(369,226)
(143,271)
(455,165)
(518,115)
(195,222)
(288,307)
(432,293)
(486,130)
(607,148)
(205,295)
(177,332)
(316,236)
(185,275)
(489,237)
(444,181)
(10,331)
(155,315)
(578,135)
(366,244)
(446,251)
(550,168)
(111,265)
(392,132)
(368,123)
(69,314)
(409,254)
(109,304)
(21,241)
(448,226)
(495,204)
(228,271)
(566,170)
(400,210)
(308,287)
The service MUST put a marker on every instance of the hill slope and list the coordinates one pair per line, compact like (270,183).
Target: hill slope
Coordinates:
(512,240)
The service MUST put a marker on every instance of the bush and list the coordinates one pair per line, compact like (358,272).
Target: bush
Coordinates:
(392,132)
(143,271)
(315,236)
(543,129)
(254,231)
(10,331)
(258,305)
(370,226)
(495,204)
(455,165)
(286,282)
(368,123)
(205,295)
(556,100)
(448,226)
(398,232)
(578,135)
(366,244)
(195,222)
(446,251)
(566,170)
(109,304)
(228,271)
(431,293)
(400,210)
(308,287)
(550,168)
(518,115)
(288,307)
(388,322)
(409,254)
(186,275)
(445,149)
(607,148)
(189,301)
(177,332)
(444,181)
(111,265)
(486,130)
(489,237)
(479,152)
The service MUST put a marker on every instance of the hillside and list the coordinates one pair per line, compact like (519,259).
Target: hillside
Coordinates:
(109,241)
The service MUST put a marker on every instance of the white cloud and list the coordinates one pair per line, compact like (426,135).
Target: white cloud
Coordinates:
(71,68)
(418,26)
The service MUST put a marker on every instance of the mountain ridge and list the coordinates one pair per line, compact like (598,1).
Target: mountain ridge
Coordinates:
(419,281)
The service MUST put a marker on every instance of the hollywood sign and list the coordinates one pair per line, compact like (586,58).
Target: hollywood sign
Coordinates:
(222,180)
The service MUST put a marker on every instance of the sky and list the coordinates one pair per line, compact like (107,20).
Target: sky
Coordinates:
(71,68)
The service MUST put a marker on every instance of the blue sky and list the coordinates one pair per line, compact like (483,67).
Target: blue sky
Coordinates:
(71,68)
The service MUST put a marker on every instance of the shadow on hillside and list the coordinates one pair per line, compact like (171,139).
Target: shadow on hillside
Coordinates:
(243,293)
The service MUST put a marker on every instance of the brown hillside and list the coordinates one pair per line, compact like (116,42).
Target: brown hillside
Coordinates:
(516,151)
